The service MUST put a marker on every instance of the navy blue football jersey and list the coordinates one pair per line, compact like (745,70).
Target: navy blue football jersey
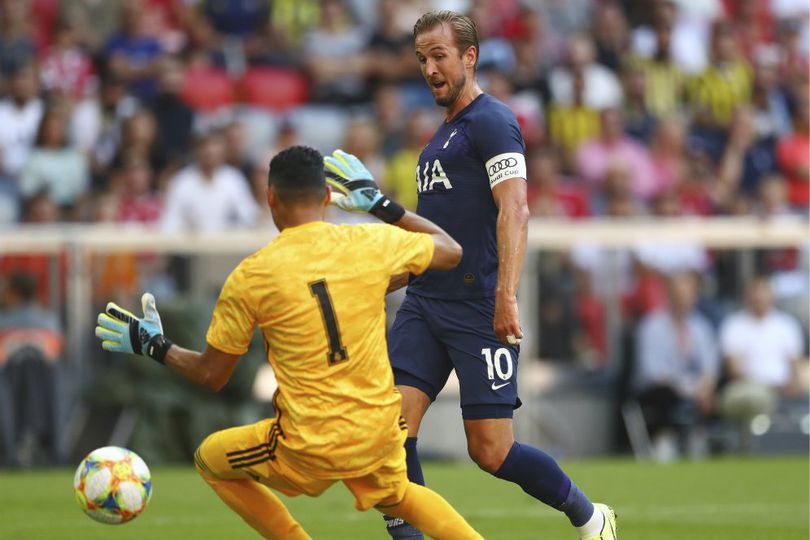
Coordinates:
(468,156)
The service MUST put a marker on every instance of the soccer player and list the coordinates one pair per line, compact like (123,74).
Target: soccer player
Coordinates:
(317,294)
(471,182)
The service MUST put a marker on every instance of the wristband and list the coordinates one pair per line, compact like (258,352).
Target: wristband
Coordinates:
(387,210)
(157,348)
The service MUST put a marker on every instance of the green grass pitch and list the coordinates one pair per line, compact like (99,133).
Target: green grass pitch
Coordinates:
(756,498)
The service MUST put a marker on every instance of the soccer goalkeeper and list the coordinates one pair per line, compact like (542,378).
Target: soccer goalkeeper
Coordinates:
(317,294)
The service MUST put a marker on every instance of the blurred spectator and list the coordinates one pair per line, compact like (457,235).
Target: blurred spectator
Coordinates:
(639,121)
(525,104)
(769,99)
(752,23)
(54,165)
(400,180)
(495,52)
(762,347)
(133,53)
(676,369)
(538,45)
(614,197)
(792,39)
(334,55)
(668,154)
(209,195)
(114,107)
(292,18)
(66,69)
(665,80)
(139,140)
(138,202)
(773,201)
(571,125)
(696,188)
(174,118)
(550,195)
(17,47)
(614,150)
(689,37)
(747,158)
(236,150)
(591,337)
(391,45)
(724,85)
(361,140)
(793,156)
(237,18)
(566,16)
(20,116)
(611,35)
(30,348)
(94,20)
(600,87)
(387,104)
(240,26)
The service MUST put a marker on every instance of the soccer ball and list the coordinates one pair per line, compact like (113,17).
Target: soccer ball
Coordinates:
(112,485)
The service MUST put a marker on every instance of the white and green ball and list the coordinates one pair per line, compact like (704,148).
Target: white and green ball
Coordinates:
(112,485)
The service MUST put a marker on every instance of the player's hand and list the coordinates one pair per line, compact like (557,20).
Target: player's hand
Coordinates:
(121,331)
(358,191)
(506,322)
(347,174)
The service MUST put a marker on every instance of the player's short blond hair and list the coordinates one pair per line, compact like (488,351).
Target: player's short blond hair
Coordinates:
(464,29)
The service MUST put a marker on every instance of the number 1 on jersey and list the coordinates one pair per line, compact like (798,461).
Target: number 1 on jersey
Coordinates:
(337,352)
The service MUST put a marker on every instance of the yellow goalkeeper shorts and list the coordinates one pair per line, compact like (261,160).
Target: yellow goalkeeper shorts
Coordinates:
(251,452)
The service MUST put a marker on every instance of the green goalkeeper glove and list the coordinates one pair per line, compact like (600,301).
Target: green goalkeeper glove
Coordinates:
(351,178)
(121,331)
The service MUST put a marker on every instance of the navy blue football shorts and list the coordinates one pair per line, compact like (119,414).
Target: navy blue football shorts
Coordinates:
(430,337)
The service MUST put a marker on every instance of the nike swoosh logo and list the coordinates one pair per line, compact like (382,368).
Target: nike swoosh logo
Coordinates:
(499,386)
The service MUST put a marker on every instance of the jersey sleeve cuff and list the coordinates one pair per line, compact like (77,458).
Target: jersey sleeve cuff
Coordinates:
(230,349)
(431,248)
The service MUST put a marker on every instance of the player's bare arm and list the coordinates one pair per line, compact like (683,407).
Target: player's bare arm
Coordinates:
(211,368)
(511,233)
(397,282)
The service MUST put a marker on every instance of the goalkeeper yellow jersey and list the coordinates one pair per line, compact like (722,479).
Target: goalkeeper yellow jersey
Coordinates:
(317,292)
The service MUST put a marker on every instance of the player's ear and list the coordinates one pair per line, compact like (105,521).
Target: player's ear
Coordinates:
(271,196)
(470,56)
(327,196)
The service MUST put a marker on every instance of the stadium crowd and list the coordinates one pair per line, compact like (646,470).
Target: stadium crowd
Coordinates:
(166,112)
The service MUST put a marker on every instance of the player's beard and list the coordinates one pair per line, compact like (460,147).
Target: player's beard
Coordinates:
(454,90)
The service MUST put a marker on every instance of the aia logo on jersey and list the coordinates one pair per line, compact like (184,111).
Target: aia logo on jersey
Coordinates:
(429,177)
(502,165)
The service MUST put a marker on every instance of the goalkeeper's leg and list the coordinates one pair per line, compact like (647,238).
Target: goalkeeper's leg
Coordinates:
(252,500)
(259,507)
(430,513)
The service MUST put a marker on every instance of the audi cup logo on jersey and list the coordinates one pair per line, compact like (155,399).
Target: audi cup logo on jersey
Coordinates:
(502,165)
(505,166)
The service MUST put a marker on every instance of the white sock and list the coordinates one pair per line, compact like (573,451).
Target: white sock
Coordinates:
(593,526)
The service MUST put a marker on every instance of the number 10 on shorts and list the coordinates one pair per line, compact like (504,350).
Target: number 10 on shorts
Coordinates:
(500,363)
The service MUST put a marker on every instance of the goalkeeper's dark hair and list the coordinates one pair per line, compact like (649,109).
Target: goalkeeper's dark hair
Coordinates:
(297,174)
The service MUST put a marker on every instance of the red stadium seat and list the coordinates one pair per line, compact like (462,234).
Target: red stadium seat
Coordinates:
(208,89)
(274,88)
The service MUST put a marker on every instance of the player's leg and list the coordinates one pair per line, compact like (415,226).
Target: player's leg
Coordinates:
(388,490)
(487,372)
(220,459)
(430,513)
(491,444)
(421,367)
